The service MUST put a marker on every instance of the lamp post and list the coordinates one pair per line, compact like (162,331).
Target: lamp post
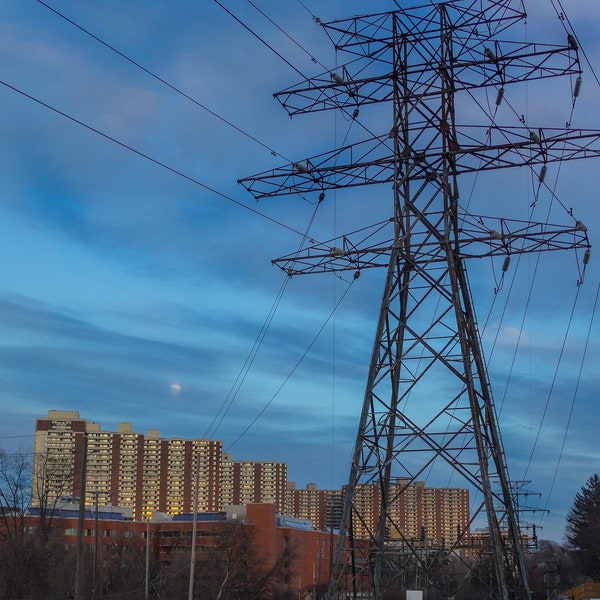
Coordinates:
(194,527)
(146,586)
(95,564)
(81,521)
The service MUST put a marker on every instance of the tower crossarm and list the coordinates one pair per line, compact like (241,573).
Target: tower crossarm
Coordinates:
(473,67)
(477,148)
(480,237)
(365,35)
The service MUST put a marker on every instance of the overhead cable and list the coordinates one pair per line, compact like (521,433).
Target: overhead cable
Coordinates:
(562,16)
(575,392)
(158,78)
(315,60)
(148,157)
(260,39)
(292,371)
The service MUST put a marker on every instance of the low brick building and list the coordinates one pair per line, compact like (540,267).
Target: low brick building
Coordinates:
(301,552)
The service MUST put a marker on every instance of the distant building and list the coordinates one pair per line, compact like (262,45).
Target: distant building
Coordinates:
(145,472)
(436,515)
(322,507)
(245,482)
(168,539)
(478,542)
(439,515)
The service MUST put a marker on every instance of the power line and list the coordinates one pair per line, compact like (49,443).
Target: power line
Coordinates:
(293,370)
(147,157)
(314,17)
(187,96)
(553,382)
(241,377)
(562,16)
(158,78)
(315,60)
(572,407)
(351,116)
(260,39)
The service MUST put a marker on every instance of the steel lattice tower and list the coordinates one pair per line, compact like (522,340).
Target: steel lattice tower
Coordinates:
(421,61)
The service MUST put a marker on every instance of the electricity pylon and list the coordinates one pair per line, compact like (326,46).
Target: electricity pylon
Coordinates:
(428,401)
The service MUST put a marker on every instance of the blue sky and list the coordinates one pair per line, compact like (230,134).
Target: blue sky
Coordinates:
(121,277)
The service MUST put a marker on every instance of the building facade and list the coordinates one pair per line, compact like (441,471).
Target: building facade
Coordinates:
(247,482)
(434,515)
(270,542)
(322,507)
(145,472)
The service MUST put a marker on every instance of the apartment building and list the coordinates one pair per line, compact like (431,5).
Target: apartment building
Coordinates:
(433,515)
(145,472)
(58,451)
(322,507)
(124,468)
(247,482)
(148,474)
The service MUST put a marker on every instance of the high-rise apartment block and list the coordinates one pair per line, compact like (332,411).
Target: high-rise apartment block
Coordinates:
(440,515)
(322,507)
(149,474)
(145,472)
(247,482)
(433,515)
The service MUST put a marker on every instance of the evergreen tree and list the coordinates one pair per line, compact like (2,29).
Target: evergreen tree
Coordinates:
(583,528)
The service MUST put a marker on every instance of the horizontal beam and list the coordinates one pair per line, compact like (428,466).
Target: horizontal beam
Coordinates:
(373,161)
(480,237)
(472,69)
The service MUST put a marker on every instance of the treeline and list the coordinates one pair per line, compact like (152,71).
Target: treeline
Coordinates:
(37,564)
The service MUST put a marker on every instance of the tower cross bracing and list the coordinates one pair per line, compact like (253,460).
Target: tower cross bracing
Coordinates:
(428,407)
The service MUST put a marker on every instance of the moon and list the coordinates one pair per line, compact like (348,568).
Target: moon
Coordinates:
(174,388)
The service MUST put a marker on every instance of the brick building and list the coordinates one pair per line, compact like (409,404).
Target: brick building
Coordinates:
(245,482)
(147,473)
(437,515)
(322,507)
(144,472)
(167,541)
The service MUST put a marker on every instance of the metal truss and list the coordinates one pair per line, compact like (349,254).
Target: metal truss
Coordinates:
(428,407)
(373,161)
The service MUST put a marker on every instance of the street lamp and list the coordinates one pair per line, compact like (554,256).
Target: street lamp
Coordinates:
(81,521)
(95,563)
(194,528)
(81,525)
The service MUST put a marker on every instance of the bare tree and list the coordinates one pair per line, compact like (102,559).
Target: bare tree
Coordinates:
(234,568)
(123,568)
(31,555)
(15,474)
(51,481)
